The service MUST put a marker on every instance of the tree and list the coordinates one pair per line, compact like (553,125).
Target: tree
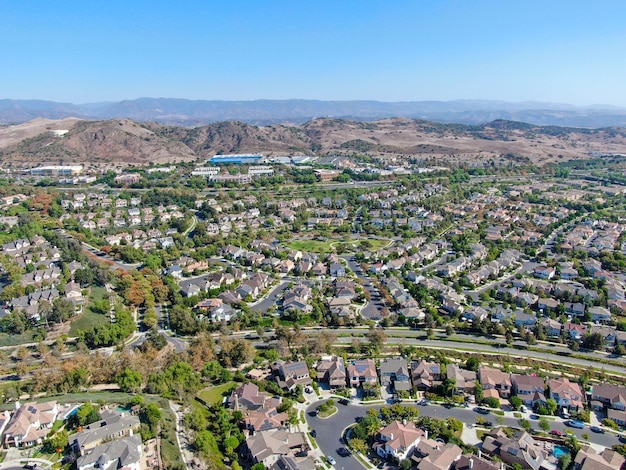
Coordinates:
(544,425)
(472,364)
(479,394)
(58,442)
(86,414)
(358,445)
(236,352)
(564,461)
(593,341)
(516,402)
(129,380)
(524,424)
(151,416)
(492,402)
(62,310)
(377,339)
(84,277)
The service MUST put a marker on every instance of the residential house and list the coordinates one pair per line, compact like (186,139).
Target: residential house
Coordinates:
(362,371)
(551,327)
(30,423)
(265,420)
(267,447)
(395,371)
(397,440)
(520,449)
(529,388)
(319,269)
(112,426)
(286,462)
(41,276)
(494,379)
(429,454)
(609,334)
(547,304)
(332,370)
(465,379)
(587,458)
(609,396)
(337,270)
(292,373)
(475,462)
(574,331)
(527,320)
(247,397)
(566,394)
(600,314)
(574,308)
(425,375)
(544,272)
(123,453)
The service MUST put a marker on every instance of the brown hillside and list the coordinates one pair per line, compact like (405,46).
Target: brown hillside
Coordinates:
(99,143)
(121,142)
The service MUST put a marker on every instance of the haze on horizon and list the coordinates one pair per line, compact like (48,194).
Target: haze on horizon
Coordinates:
(84,52)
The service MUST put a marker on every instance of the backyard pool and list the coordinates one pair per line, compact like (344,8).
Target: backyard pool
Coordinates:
(558,451)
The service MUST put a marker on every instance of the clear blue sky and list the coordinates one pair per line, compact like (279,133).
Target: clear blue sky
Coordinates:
(80,51)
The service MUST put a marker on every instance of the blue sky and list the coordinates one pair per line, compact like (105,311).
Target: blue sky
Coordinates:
(397,50)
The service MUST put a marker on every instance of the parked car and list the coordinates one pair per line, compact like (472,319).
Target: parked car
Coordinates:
(482,411)
(313,433)
(597,429)
(556,432)
(331,460)
(574,423)
(344,401)
(343,452)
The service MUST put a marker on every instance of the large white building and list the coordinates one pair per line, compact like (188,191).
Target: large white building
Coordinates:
(261,170)
(206,171)
(57,170)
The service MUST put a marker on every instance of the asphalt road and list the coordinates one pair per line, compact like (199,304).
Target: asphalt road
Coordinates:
(330,430)
(371,310)
(270,299)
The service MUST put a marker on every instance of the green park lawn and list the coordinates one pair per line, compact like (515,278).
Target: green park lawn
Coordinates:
(328,246)
(88,319)
(215,395)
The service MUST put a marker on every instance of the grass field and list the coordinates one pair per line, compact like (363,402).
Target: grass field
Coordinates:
(214,395)
(88,319)
(15,340)
(328,246)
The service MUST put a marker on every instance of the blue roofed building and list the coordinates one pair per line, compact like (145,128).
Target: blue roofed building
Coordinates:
(239,159)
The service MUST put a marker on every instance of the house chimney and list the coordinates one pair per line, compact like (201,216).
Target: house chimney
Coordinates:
(426,435)
(480,454)
(391,437)
(17,405)
(404,422)
(471,463)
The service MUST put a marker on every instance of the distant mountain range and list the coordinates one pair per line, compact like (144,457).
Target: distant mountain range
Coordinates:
(184,112)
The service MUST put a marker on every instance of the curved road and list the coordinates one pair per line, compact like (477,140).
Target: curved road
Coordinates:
(330,430)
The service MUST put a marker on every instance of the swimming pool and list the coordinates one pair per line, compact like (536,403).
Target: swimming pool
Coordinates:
(558,451)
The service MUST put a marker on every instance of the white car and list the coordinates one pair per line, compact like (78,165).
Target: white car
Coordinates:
(331,460)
